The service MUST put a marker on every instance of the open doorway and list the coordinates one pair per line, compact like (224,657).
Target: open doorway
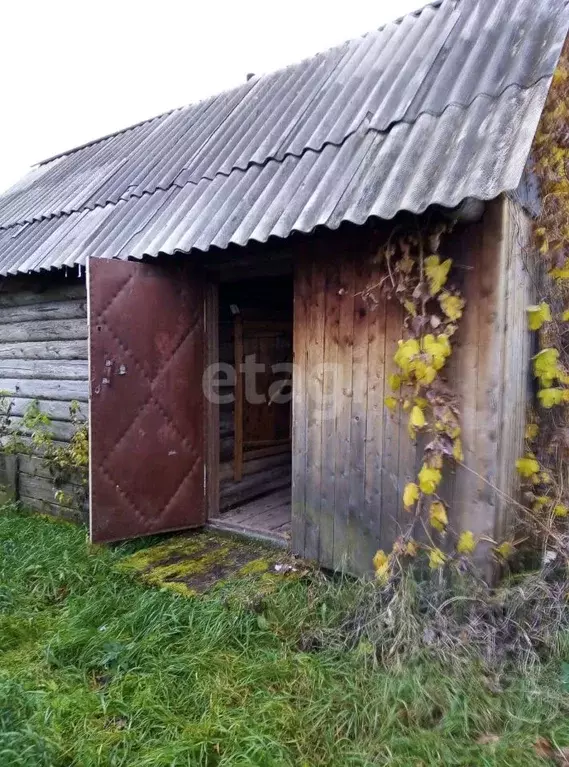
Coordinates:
(255,354)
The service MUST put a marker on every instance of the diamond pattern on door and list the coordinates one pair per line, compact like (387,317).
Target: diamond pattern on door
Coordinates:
(146,338)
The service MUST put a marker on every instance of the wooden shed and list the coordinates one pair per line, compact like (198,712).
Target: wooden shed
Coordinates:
(198,283)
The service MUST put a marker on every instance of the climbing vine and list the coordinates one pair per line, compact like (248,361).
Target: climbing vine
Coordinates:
(66,463)
(544,467)
(422,281)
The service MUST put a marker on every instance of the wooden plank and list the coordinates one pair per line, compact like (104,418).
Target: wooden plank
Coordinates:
(276,499)
(54,509)
(316,292)
(14,293)
(212,430)
(45,389)
(226,471)
(60,430)
(45,330)
(363,518)
(330,402)
(41,487)
(73,370)
(344,397)
(467,513)
(393,424)
(50,310)
(299,407)
(253,487)
(239,394)
(44,350)
(56,409)
(34,465)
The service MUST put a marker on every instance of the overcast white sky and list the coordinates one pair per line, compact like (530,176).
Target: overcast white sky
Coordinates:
(72,70)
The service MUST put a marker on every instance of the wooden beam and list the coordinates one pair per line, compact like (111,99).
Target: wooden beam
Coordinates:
(212,430)
(238,410)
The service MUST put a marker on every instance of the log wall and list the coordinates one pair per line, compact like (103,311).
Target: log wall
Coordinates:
(43,357)
(351,456)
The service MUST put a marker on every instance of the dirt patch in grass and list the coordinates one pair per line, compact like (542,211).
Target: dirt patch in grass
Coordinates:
(195,563)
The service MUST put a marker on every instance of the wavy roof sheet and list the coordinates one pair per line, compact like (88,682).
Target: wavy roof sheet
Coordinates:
(433,108)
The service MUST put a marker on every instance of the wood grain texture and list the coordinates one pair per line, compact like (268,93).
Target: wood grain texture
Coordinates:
(43,357)
(212,428)
(358,463)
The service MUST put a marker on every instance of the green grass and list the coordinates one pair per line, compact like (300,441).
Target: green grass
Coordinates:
(97,669)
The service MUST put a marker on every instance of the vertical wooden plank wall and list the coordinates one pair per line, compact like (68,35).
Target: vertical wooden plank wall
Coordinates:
(349,463)
(43,356)
(490,368)
(351,456)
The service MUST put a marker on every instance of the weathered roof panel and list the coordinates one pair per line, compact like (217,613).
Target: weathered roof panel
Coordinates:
(438,106)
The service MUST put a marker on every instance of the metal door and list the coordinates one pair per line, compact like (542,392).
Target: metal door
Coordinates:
(146,403)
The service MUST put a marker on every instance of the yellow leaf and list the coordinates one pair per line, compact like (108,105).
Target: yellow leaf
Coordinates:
(537,315)
(558,273)
(560,510)
(411,308)
(380,559)
(411,548)
(436,559)
(550,397)
(405,352)
(466,542)
(451,305)
(545,366)
(545,478)
(429,479)
(532,430)
(438,516)
(394,381)
(391,403)
(410,494)
(406,405)
(437,272)
(417,417)
(382,573)
(527,466)
(505,549)
(457,452)
(425,374)
(565,315)
(438,348)
(421,402)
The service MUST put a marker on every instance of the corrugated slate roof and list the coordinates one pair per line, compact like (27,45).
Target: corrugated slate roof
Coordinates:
(436,107)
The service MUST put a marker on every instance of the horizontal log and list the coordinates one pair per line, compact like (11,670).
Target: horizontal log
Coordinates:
(41,487)
(35,466)
(37,388)
(255,466)
(13,292)
(53,509)
(235,493)
(60,430)
(44,350)
(50,310)
(56,409)
(75,370)
(44,330)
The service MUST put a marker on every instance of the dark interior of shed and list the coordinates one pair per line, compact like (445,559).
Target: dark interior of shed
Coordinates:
(255,340)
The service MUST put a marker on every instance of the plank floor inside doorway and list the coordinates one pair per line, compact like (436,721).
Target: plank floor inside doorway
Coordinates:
(269,514)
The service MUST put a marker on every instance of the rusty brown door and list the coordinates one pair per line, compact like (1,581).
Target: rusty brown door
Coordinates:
(146,337)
